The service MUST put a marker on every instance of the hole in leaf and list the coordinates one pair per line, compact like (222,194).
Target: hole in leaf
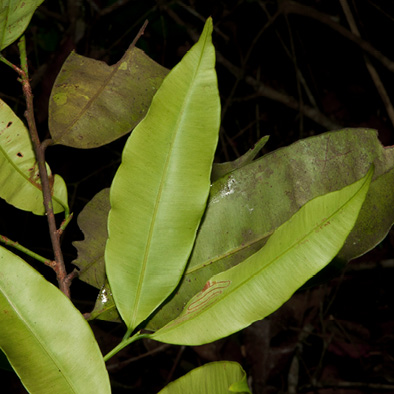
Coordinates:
(19,154)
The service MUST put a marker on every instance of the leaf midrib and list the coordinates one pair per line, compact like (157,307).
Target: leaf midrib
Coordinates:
(23,175)
(39,341)
(97,93)
(160,190)
(259,271)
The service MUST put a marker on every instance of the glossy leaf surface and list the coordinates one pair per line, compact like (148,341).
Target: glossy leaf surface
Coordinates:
(160,190)
(92,104)
(46,339)
(222,377)
(20,183)
(15,15)
(250,291)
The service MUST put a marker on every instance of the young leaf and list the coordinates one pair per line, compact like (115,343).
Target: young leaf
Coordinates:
(160,190)
(15,15)
(221,377)
(298,249)
(92,104)
(20,184)
(47,341)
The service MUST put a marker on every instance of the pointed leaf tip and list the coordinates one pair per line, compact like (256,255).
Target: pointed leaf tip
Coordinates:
(250,291)
(160,190)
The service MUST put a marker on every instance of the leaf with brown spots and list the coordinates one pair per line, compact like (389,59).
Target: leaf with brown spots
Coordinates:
(20,183)
(15,16)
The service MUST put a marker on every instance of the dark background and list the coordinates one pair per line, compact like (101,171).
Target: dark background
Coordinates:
(287,69)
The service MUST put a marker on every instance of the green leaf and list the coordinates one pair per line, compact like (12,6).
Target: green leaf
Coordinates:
(20,184)
(376,219)
(221,169)
(247,205)
(250,291)
(15,15)
(160,190)
(221,377)
(93,222)
(92,104)
(45,338)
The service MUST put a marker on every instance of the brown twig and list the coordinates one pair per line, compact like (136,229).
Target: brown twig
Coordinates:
(39,150)
(291,7)
(139,34)
(262,89)
(119,365)
(371,69)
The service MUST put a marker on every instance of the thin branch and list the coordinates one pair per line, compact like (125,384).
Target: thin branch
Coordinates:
(121,364)
(262,89)
(9,64)
(349,385)
(64,224)
(123,344)
(39,151)
(291,7)
(371,69)
(139,34)
(8,242)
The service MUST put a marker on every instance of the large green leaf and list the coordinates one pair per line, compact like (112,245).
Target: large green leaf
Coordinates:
(46,339)
(298,249)
(92,104)
(221,377)
(93,219)
(247,205)
(20,184)
(15,15)
(160,190)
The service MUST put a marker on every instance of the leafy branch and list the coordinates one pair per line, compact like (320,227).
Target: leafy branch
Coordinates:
(64,279)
